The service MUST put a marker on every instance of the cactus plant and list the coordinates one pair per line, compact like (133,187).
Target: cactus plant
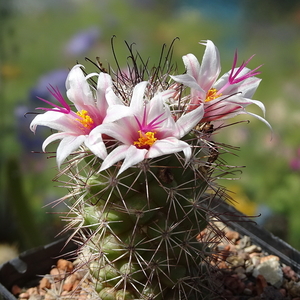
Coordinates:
(139,158)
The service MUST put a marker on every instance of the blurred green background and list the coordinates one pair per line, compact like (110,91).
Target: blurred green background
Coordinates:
(41,40)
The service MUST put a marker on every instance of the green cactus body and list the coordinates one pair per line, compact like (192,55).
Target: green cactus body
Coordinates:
(144,243)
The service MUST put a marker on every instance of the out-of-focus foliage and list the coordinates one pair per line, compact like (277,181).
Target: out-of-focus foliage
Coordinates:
(270,10)
(38,46)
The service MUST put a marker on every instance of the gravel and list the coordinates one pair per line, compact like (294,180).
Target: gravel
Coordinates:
(242,271)
(239,270)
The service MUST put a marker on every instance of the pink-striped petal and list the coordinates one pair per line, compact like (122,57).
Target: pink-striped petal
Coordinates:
(97,146)
(168,146)
(67,146)
(210,66)
(116,155)
(188,121)
(133,157)
(78,89)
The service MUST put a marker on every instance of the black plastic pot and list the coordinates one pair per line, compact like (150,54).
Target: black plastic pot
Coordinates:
(26,269)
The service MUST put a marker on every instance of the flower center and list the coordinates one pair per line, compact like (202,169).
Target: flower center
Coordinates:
(212,94)
(85,119)
(146,140)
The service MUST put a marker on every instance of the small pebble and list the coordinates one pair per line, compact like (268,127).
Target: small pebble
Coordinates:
(222,265)
(252,248)
(69,282)
(244,242)
(250,269)
(255,260)
(232,235)
(283,292)
(294,289)
(32,291)
(247,292)
(24,296)
(240,270)
(254,254)
(75,285)
(65,265)
(57,274)
(36,297)
(270,269)
(44,283)
(261,283)
(241,276)
(235,261)
(268,258)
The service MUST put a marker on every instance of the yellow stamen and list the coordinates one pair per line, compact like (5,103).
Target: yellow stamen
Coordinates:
(145,140)
(212,94)
(85,119)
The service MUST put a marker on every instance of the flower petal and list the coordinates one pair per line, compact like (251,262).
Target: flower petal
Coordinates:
(116,108)
(55,120)
(259,118)
(259,104)
(133,157)
(221,110)
(137,99)
(189,81)
(78,89)
(157,112)
(117,112)
(112,98)
(104,82)
(113,130)
(167,146)
(210,66)
(97,147)
(237,100)
(53,137)
(229,107)
(249,86)
(116,155)
(188,121)
(192,65)
(67,146)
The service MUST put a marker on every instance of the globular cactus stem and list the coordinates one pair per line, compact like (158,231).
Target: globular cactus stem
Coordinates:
(143,229)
